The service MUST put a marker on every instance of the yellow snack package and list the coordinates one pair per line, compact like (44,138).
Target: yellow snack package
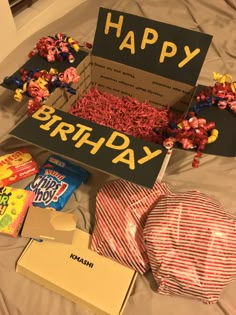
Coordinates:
(16,166)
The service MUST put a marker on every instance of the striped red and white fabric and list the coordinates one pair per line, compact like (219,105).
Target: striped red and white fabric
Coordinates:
(191,246)
(121,212)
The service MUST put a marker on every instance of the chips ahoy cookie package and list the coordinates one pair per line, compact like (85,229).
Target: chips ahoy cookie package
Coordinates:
(55,182)
(131,57)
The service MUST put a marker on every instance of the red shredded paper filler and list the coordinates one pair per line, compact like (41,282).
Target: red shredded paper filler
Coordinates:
(125,114)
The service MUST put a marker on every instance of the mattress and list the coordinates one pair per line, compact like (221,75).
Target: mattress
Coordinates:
(216,175)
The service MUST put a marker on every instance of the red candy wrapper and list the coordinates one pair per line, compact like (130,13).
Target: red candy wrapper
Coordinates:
(16,166)
(191,246)
(121,212)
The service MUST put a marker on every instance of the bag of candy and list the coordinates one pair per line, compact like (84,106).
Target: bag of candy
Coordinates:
(14,203)
(16,166)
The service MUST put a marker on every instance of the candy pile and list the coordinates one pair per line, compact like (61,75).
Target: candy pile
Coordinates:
(54,183)
(127,115)
(195,132)
(59,47)
(222,94)
(190,133)
(38,84)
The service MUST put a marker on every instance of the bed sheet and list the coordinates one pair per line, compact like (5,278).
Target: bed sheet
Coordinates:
(216,175)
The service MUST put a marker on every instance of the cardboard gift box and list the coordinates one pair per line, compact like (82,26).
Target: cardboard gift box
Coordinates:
(132,56)
(97,282)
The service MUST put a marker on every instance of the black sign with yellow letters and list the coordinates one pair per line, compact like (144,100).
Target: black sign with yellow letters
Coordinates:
(167,50)
(98,146)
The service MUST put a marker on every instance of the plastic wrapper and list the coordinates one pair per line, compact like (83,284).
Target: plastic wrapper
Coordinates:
(55,182)
(191,245)
(16,166)
(121,212)
(14,203)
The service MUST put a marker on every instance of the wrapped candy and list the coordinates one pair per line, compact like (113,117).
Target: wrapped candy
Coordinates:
(39,84)
(59,47)
(191,245)
(190,133)
(222,94)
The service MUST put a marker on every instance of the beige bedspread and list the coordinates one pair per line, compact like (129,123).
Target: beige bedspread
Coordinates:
(215,176)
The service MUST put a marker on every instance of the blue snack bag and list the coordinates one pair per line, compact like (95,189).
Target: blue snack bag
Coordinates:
(55,182)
